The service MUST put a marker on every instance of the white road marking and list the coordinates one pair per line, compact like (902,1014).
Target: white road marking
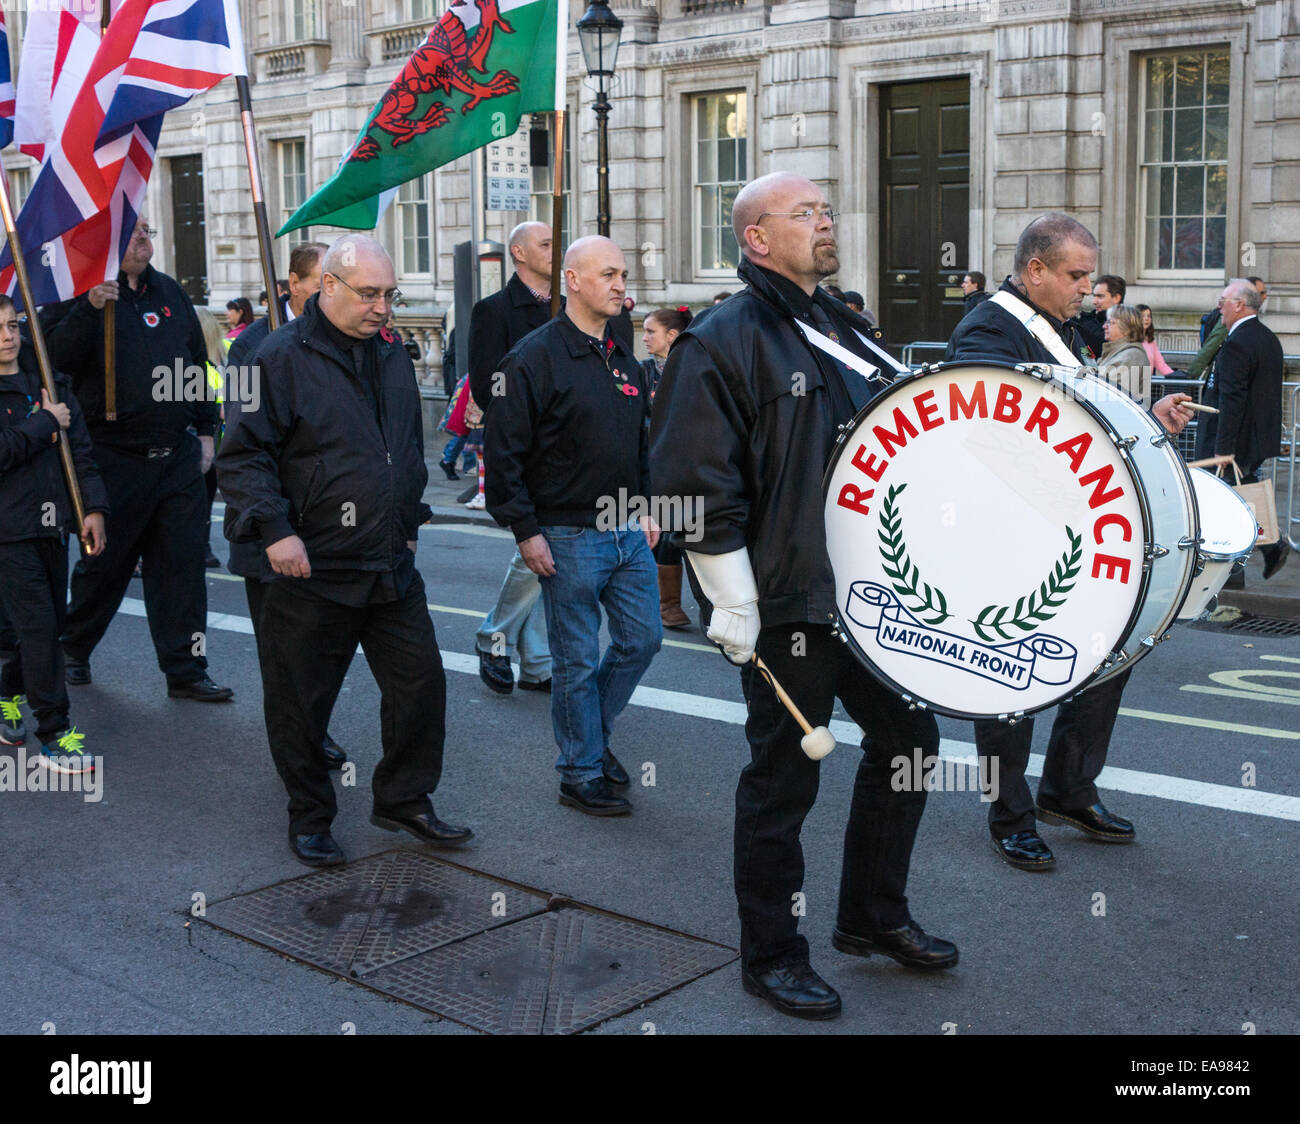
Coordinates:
(732,711)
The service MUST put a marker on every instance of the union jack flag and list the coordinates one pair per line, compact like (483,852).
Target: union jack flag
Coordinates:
(6,88)
(83,207)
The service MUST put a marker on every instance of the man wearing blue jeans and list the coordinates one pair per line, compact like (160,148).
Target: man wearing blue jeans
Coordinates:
(568,472)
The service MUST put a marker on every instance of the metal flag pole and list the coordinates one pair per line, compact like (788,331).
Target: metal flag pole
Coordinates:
(110,307)
(42,357)
(557,196)
(259,202)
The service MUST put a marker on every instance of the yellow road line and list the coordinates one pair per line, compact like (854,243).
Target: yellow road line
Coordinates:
(1210,724)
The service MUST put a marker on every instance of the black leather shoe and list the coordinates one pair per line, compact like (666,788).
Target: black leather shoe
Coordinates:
(538,685)
(595,798)
(614,772)
(426,827)
(911,946)
(496,672)
(1025,850)
(200,690)
(449,470)
(794,990)
(212,562)
(317,850)
(1275,557)
(1093,820)
(76,673)
(1236,579)
(335,758)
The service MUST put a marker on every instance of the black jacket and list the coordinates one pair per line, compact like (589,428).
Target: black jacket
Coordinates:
(496,324)
(569,430)
(978,297)
(734,427)
(1091,327)
(991,332)
(248,341)
(156,326)
(1246,386)
(1208,321)
(247,559)
(31,472)
(313,462)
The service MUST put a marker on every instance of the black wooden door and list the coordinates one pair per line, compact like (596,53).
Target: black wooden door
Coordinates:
(924,207)
(188,226)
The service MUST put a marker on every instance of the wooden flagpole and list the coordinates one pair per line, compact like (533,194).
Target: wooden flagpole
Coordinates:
(110,307)
(42,357)
(259,202)
(557,196)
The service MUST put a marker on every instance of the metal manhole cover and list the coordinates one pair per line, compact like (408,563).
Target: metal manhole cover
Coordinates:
(559,973)
(1265,626)
(356,918)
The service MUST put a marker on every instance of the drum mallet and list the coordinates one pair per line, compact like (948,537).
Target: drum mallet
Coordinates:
(816,742)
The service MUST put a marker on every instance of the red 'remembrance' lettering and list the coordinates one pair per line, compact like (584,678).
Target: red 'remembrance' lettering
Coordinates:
(1113,565)
(1007,407)
(855,499)
(927,411)
(1099,478)
(1077,448)
(872,467)
(1110,519)
(957,403)
(1043,415)
(892,442)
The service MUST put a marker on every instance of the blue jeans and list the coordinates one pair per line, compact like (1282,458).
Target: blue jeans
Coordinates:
(595,568)
(518,621)
(454,446)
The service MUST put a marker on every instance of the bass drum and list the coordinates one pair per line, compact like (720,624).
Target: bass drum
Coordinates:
(991,538)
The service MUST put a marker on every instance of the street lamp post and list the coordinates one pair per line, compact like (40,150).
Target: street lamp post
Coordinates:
(598,32)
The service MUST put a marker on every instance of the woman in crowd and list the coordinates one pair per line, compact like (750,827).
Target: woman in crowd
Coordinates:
(239,315)
(1124,361)
(215,380)
(662,327)
(1154,357)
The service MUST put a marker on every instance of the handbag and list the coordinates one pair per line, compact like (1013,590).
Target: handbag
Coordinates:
(1259,497)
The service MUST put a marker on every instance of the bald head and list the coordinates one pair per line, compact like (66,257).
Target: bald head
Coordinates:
(1239,299)
(530,249)
(757,195)
(781,222)
(357,284)
(347,252)
(595,276)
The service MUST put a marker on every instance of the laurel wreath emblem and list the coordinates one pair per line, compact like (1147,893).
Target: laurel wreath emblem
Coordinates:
(996,621)
(901,569)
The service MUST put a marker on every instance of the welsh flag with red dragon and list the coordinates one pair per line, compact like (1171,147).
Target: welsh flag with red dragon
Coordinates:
(480,68)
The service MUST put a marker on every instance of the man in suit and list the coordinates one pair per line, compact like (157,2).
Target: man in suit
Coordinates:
(1214,332)
(1245,385)
(496,324)
(1054,258)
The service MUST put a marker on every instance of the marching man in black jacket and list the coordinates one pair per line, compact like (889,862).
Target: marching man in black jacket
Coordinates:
(35,517)
(328,476)
(745,419)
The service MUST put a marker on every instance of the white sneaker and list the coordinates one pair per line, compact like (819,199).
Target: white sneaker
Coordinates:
(477,503)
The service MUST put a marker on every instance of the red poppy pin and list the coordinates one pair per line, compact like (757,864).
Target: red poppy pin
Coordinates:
(151,319)
(167,310)
(630,390)
(386,335)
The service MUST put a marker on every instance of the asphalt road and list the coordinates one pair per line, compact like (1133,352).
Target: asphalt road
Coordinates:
(1197,933)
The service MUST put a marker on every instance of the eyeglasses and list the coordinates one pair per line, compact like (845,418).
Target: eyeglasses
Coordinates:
(146,231)
(801,216)
(371,296)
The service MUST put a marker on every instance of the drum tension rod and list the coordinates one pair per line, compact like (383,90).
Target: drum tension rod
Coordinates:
(1189,543)
(1126,443)
(1155,550)
(1163,439)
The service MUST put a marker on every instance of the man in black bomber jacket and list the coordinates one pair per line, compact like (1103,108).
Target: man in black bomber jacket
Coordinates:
(327,475)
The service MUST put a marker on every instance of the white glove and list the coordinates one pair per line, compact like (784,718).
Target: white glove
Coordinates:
(728,582)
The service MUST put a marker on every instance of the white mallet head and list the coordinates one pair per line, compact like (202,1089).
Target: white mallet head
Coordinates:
(818,744)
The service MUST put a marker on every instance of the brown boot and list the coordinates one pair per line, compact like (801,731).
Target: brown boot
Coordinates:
(670,598)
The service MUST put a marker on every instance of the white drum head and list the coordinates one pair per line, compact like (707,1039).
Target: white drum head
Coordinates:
(987,537)
(1228,529)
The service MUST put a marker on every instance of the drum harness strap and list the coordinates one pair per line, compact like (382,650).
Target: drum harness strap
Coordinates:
(1037,327)
(844,355)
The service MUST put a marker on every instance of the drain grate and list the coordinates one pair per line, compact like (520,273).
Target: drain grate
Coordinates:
(1265,626)
(469,947)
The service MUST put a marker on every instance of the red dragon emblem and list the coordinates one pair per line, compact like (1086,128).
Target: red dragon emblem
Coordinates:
(442,62)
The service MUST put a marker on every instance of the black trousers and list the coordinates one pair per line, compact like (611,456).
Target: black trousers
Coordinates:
(34,596)
(158,513)
(1076,753)
(306,644)
(779,785)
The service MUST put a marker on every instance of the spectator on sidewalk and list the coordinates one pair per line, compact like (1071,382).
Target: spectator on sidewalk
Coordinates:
(972,288)
(1124,362)
(1157,361)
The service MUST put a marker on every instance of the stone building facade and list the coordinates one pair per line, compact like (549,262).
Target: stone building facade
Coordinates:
(936,127)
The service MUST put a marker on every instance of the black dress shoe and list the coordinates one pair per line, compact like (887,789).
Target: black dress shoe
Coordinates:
(449,470)
(335,758)
(76,673)
(794,990)
(200,690)
(426,827)
(535,685)
(595,798)
(1275,557)
(911,945)
(212,562)
(317,850)
(614,772)
(496,672)
(1025,850)
(1093,820)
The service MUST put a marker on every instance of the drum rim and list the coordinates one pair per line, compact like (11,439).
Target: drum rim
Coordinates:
(1106,667)
(1213,555)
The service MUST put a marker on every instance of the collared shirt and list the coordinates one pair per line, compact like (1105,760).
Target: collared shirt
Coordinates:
(1239,323)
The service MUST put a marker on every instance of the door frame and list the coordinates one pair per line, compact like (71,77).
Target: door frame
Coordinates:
(860,240)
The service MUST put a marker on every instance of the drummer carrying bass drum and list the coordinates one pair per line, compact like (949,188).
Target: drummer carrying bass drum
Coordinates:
(1026,321)
(745,419)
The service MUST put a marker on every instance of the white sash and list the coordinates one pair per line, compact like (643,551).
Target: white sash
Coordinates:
(844,355)
(1037,327)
